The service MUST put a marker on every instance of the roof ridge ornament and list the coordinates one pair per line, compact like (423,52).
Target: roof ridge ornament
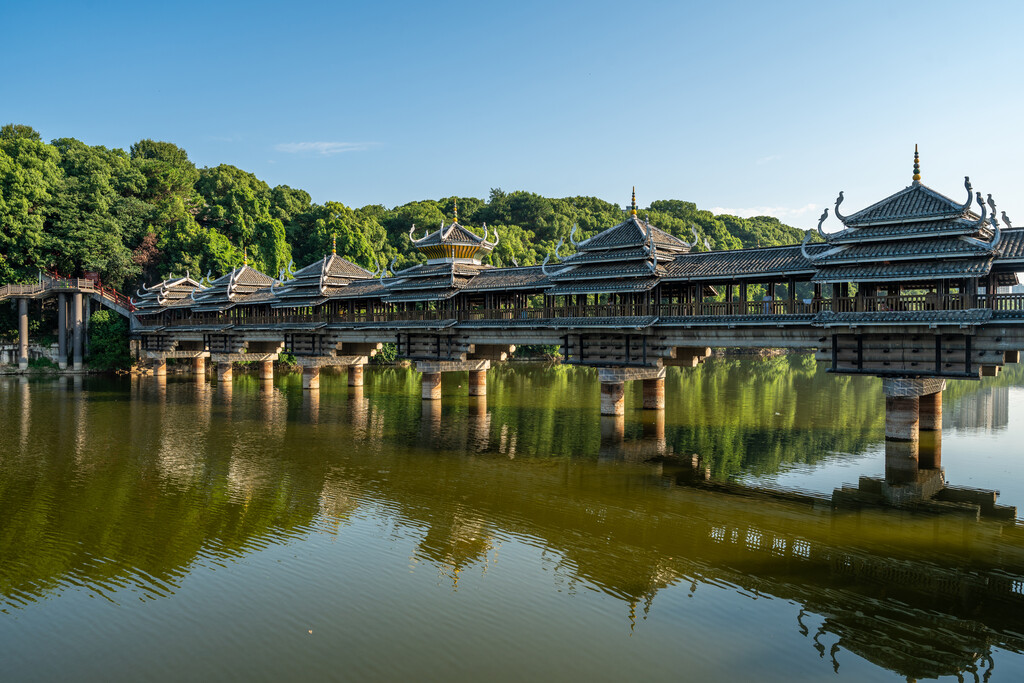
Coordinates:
(1006,219)
(544,265)
(824,215)
(652,250)
(970,193)
(839,200)
(803,246)
(632,206)
(998,236)
(917,167)
(696,237)
(572,235)
(981,221)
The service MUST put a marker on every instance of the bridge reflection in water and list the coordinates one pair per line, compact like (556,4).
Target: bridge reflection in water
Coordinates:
(629,504)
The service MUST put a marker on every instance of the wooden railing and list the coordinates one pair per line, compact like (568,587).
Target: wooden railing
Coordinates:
(53,282)
(862,304)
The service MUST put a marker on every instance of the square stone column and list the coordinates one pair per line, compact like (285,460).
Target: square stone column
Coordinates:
(431,386)
(477,382)
(267,370)
(199,366)
(160,367)
(311,377)
(654,393)
(613,398)
(23,334)
(78,332)
(62,331)
(930,412)
(355,375)
(225,371)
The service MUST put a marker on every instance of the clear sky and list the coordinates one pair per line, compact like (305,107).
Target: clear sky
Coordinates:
(741,107)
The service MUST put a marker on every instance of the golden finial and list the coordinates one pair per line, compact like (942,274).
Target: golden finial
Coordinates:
(245,256)
(633,205)
(334,244)
(917,166)
(456,209)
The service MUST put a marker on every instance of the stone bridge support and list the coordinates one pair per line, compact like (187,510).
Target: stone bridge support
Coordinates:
(23,334)
(613,388)
(159,360)
(79,333)
(311,366)
(433,369)
(903,423)
(62,331)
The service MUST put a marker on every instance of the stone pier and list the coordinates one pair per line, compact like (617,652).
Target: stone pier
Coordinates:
(654,393)
(23,334)
(62,331)
(225,371)
(311,366)
(199,366)
(477,382)
(267,371)
(355,375)
(79,332)
(903,403)
(311,377)
(160,367)
(613,387)
(433,369)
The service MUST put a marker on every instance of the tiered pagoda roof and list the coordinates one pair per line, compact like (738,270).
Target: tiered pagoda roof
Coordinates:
(317,282)
(454,256)
(241,285)
(629,257)
(170,292)
(916,234)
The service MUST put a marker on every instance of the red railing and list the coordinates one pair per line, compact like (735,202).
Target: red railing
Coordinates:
(54,280)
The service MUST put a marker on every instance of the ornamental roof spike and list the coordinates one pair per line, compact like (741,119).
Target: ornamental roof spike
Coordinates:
(839,200)
(696,237)
(497,237)
(970,193)
(984,209)
(824,215)
(917,166)
(572,235)
(1006,219)
(998,236)
(803,246)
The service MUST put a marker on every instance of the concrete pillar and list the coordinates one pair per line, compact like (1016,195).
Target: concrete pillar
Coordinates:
(23,334)
(477,382)
(431,386)
(62,331)
(930,412)
(160,367)
(87,303)
(613,398)
(224,372)
(267,370)
(355,376)
(78,332)
(310,378)
(654,394)
(199,366)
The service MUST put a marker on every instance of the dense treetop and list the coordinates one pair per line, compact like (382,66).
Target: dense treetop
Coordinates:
(147,213)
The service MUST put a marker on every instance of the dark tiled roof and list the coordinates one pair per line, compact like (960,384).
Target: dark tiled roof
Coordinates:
(602,270)
(973,316)
(422,295)
(742,263)
(945,247)
(949,227)
(905,270)
(632,284)
(527,277)
(397,325)
(1011,246)
(632,232)
(240,281)
(624,254)
(915,202)
(729,320)
(426,283)
(452,234)
(170,292)
(360,289)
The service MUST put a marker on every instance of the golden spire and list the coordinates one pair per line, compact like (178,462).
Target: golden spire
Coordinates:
(245,255)
(632,206)
(456,209)
(917,166)
(334,244)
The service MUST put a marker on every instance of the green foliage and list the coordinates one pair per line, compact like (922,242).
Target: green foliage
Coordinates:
(42,363)
(386,355)
(145,214)
(108,340)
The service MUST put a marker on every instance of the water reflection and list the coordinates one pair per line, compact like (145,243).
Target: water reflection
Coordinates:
(630,506)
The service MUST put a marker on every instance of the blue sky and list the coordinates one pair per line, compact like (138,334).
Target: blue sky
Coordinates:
(745,107)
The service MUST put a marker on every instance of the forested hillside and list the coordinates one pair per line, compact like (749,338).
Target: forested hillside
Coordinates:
(142,214)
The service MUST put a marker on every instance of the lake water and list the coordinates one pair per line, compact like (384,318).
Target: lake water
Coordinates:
(187,530)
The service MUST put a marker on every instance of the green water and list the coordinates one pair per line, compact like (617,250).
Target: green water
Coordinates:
(184,530)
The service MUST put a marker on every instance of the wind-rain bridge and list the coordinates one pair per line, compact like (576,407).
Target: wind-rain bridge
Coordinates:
(910,289)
